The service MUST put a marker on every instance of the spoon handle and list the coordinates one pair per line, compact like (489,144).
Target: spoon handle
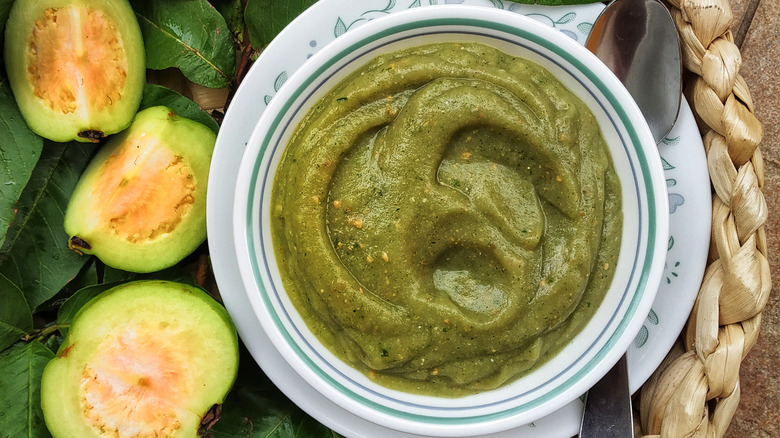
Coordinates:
(608,406)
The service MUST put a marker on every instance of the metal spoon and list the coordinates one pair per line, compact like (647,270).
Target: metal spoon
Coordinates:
(638,41)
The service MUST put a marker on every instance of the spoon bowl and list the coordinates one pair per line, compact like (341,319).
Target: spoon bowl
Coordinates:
(637,40)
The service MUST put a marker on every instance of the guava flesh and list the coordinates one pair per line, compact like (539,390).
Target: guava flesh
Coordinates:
(76,67)
(144,359)
(96,57)
(144,189)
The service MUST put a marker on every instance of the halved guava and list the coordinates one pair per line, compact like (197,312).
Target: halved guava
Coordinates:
(140,205)
(76,67)
(144,359)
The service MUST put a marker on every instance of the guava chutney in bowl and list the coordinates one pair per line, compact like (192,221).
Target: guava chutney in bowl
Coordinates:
(451,221)
(446,218)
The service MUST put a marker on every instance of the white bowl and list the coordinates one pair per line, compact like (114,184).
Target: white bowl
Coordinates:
(594,350)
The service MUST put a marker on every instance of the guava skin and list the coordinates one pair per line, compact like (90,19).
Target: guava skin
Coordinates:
(76,67)
(144,359)
(140,205)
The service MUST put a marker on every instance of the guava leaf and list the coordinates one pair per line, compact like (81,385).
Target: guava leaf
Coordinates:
(5,8)
(190,35)
(177,273)
(158,95)
(256,408)
(72,305)
(254,412)
(233,13)
(19,151)
(114,277)
(15,315)
(52,342)
(21,367)
(88,276)
(35,256)
(266,18)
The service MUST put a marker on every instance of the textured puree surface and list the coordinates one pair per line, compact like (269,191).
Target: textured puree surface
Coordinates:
(446,218)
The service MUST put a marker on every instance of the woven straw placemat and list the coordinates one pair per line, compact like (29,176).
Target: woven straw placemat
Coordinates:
(695,391)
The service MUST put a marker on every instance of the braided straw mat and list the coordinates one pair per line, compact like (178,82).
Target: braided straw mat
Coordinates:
(695,391)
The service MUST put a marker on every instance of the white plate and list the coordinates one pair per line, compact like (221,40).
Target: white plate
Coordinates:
(684,164)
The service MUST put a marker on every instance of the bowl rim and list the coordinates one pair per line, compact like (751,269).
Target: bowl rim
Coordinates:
(523,28)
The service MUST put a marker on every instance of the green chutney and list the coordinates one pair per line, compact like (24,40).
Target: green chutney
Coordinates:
(447,218)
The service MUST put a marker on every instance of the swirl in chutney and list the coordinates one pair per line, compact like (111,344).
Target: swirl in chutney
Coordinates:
(447,218)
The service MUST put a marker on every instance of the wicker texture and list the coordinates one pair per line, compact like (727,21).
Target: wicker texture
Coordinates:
(695,391)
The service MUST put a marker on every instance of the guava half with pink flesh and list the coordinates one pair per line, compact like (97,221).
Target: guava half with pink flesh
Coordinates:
(144,359)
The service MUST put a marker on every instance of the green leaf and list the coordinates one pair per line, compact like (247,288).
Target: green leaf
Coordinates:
(15,315)
(86,277)
(233,13)
(35,256)
(158,95)
(254,412)
(5,8)
(255,408)
(114,277)
(52,342)
(72,305)
(19,151)
(177,273)
(21,367)
(190,35)
(266,18)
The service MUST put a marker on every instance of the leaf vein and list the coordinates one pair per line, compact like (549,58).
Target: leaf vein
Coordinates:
(185,45)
